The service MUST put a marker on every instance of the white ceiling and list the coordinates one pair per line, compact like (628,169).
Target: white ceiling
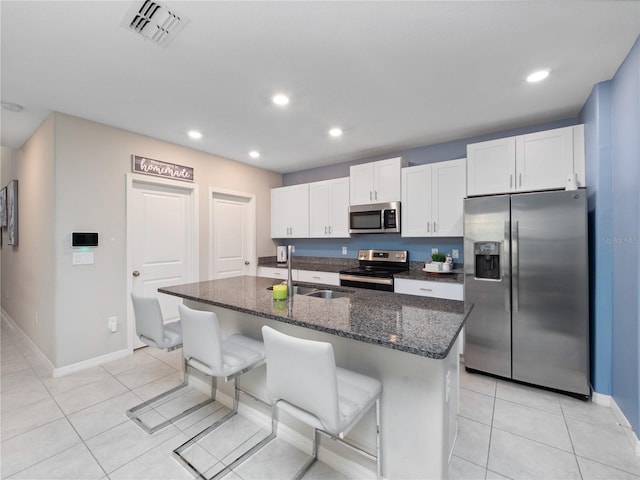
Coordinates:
(394,75)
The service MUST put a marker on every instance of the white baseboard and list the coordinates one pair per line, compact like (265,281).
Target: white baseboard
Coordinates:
(67,369)
(609,401)
(304,443)
(37,352)
(92,362)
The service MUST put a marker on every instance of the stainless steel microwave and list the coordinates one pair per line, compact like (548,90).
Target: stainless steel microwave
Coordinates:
(375,218)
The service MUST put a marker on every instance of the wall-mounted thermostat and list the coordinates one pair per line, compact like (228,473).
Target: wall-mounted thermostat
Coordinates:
(84,239)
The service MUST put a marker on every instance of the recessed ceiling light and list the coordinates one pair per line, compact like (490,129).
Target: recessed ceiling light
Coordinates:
(280,99)
(335,132)
(195,134)
(254,154)
(538,76)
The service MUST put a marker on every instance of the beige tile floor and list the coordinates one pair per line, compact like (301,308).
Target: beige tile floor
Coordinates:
(74,427)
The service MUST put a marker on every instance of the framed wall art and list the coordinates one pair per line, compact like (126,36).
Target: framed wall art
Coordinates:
(3,207)
(12,212)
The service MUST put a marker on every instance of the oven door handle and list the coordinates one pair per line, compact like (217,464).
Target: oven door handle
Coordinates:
(357,278)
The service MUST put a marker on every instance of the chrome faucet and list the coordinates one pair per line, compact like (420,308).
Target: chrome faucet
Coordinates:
(289,279)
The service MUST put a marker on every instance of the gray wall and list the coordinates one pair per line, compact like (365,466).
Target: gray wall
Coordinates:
(74,181)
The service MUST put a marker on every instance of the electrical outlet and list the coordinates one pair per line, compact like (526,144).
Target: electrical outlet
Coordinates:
(344,250)
(434,250)
(293,249)
(113,324)
(455,253)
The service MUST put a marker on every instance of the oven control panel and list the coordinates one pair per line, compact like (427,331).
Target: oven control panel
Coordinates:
(383,255)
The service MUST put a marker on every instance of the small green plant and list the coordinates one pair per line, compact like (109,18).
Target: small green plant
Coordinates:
(438,257)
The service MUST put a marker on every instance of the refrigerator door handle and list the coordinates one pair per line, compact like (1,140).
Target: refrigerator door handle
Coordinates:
(505,266)
(515,262)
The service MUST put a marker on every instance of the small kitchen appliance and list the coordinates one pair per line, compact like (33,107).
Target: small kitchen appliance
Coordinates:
(376,269)
(281,254)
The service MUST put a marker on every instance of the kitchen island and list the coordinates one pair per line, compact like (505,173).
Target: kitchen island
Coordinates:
(408,342)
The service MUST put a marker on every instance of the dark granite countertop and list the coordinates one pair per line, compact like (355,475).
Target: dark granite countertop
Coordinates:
(335,265)
(318,264)
(455,276)
(419,325)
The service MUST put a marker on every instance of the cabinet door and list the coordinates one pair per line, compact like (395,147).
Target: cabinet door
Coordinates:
(416,201)
(387,180)
(448,181)
(319,209)
(544,159)
(279,212)
(299,211)
(361,184)
(338,206)
(491,166)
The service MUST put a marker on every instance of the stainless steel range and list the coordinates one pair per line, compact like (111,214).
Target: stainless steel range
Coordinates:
(376,269)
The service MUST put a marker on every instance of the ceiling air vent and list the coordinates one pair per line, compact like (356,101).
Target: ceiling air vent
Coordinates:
(154,21)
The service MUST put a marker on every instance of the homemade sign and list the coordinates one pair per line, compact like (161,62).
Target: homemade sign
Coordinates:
(149,166)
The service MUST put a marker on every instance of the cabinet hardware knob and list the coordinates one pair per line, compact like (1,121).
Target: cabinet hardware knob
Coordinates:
(136,273)
(246,262)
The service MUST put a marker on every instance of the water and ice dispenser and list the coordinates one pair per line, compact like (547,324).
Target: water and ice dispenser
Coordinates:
(487,257)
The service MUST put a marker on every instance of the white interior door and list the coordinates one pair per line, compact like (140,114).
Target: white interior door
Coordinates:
(233,238)
(162,224)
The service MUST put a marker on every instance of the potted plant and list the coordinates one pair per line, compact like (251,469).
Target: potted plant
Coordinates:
(438,259)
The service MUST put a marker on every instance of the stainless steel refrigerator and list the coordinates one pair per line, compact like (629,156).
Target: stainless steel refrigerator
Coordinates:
(525,264)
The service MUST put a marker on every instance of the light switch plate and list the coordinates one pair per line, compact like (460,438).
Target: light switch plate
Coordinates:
(434,250)
(83,258)
(344,250)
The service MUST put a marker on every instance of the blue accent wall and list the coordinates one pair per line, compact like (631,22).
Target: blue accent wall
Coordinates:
(419,248)
(625,108)
(596,116)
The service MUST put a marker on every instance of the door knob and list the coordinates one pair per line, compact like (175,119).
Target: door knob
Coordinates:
(136,273)
(246,262)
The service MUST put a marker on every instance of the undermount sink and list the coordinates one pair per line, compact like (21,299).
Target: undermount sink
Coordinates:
(298,290)
(314,292)
(328,294)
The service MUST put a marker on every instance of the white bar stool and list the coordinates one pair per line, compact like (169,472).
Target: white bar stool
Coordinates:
(205,350)
(152,330)
(304,381)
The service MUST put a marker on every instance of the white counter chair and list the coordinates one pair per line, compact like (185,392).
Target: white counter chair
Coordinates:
(304,381)
(205,350)
(152,330)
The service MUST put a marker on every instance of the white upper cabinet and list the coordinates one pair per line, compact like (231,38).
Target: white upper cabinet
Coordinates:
(491,166)
(376,182)
(329,208)
(290,211)
(536,161)
(432,199)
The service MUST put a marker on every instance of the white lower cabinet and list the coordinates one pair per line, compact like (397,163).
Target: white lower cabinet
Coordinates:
(309,276)
(425,288)
(273,272)
(326,278)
